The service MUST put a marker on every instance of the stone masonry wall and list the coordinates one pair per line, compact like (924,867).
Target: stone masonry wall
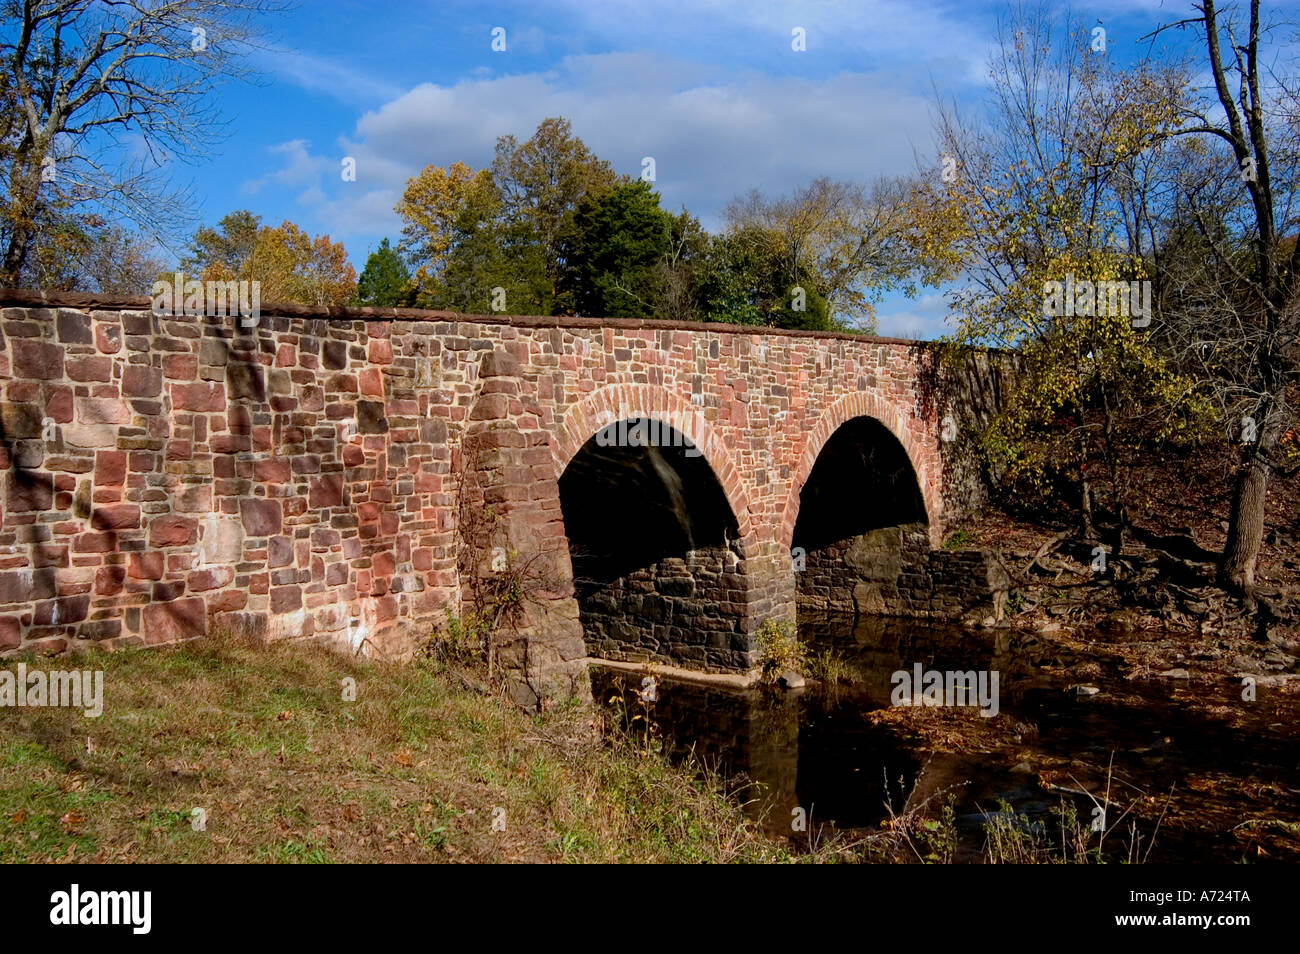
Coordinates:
(167,475)
(675,612)
(893,572)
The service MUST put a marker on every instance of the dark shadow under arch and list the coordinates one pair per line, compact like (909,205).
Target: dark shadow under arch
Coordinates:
(657,564)
(861,525)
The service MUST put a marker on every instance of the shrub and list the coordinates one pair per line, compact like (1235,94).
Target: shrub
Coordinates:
(779,648)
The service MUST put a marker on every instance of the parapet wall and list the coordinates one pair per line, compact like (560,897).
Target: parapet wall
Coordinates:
(165,476)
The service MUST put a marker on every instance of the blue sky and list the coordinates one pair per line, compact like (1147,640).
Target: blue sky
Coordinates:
(712,90)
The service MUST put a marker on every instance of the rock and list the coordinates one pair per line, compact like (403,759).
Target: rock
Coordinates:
(790,680)
(1246,664)
(1175,674)
(1083,691)
(1282,642)
(1272,682)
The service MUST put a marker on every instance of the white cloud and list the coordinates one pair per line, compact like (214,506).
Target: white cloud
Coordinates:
(924,317)
(326,74)
(713,133)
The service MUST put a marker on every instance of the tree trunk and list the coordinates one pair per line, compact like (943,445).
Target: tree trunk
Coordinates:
(1245,528)
(15,255)
(24,185)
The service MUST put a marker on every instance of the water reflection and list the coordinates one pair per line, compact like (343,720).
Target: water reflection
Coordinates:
(823,752)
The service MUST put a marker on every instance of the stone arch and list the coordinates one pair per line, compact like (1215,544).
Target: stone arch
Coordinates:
(640,597)
(616,402)
(843,410)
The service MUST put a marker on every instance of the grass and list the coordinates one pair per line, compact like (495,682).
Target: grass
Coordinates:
(779,648)
(420,767)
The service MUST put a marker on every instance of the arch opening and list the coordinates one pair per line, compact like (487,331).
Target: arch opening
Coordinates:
(655,549)
(861,540)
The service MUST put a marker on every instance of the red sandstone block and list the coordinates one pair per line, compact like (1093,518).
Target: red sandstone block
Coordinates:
(279,552)
(109,580)
(141,381)
(59,405)
(180,450)
(371,381)
(272,471)
(380,351)
(184,367)
(285,599)
(230,443)
(35,359)
(94,543)
(49,554)
(385,609)
(227,600)
(286,356)
(200,396)
(108,338)
(142,462)
(11,632)
(172,530)
(116,517)
(90,368)
(29,492)
(48,647)
(110,468)
(210,578)
(325,491)
(261,517)
(177,619)
(384,565)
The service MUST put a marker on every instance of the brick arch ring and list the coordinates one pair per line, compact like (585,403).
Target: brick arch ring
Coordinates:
(616,402)
(843,410)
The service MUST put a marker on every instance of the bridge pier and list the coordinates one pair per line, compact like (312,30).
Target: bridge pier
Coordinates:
(515,572)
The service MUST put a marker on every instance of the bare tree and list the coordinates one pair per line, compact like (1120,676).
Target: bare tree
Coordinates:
(100,94)
(1238,314)
(849,235)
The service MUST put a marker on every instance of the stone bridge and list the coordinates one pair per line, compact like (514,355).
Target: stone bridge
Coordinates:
(631,490)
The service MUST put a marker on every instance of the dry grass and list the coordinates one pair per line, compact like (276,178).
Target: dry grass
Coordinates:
(417,768)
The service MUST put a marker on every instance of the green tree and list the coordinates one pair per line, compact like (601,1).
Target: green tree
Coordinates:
(492,263)
(540,183)
(385,281)
(746,280)
(224,248)
(612,252)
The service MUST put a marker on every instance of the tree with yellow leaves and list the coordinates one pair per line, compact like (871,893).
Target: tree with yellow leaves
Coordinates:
(292,266)
(1028,209)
